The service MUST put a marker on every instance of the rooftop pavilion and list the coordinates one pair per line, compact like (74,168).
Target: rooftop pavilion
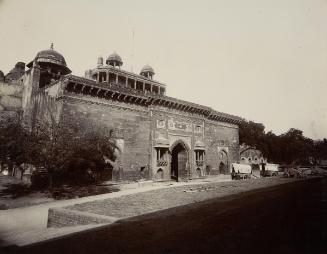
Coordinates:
(111,73)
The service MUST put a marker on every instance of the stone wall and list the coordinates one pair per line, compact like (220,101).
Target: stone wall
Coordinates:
(61,217)
(132,124)
(10,101)
(39,104)
(251,156)
(137,130)
(221,140)
(141,127)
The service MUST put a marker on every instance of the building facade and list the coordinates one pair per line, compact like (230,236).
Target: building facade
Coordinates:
(251,156)
(158,137)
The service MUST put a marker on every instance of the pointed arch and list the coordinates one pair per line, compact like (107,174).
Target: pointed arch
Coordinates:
(181,142)
(180,157)
(224,162)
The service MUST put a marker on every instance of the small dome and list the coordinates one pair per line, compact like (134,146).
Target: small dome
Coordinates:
(114,59)
(51,56)
(147,69)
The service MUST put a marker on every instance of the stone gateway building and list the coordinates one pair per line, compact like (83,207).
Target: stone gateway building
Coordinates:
(159,137)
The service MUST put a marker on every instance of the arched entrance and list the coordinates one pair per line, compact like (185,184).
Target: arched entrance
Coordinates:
(179,161)
(222,168)
(223,165)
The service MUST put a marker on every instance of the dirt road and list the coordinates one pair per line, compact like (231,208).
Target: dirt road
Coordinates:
(289,218)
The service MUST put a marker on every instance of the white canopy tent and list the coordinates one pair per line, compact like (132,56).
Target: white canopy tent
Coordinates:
(271,167)
(241,168)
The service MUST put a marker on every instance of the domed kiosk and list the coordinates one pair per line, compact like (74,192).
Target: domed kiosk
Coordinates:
(114,60)
(51,64)
(53,59)
(147,71)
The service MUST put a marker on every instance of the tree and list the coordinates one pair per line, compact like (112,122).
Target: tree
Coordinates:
(63,150)
(320,149)
(68,153)
(297,148)
(290,147)
(251,133)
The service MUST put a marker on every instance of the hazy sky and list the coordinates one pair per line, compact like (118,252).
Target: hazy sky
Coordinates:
(264,60)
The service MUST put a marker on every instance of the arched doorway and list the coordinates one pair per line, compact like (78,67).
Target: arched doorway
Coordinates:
(222,168)
(223,165)
(179,160)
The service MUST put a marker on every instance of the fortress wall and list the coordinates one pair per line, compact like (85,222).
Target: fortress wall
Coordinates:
(132,125)
(220,138)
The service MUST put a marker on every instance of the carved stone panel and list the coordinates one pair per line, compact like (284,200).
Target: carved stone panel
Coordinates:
(179,125)
(161,124)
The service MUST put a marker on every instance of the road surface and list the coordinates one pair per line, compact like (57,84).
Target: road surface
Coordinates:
(289,218)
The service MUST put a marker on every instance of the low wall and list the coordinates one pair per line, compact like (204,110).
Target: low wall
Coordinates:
(61,217)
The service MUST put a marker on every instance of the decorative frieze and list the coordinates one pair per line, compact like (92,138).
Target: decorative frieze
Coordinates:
(179,125)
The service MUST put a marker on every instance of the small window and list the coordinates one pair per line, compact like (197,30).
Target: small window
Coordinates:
(198,128)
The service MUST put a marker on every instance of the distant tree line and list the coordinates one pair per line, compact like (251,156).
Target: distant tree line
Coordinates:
(288,148)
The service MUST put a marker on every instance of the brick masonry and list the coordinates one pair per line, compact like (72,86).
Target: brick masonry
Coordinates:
(140,131)
(61,217)
(141,127)
(134,127)
(148,127)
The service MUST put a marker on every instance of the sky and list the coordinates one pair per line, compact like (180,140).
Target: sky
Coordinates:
(263,60)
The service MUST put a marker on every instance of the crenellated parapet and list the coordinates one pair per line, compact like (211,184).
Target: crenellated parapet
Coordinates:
(223,117)
(111,91)
(116,92)
(178,104)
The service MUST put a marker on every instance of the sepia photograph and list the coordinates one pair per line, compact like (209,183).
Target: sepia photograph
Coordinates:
(169,126)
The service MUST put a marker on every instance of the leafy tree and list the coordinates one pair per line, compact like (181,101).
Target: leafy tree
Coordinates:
(251,133)
(290,147)
(297,148)
(64,151)
(320,150)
